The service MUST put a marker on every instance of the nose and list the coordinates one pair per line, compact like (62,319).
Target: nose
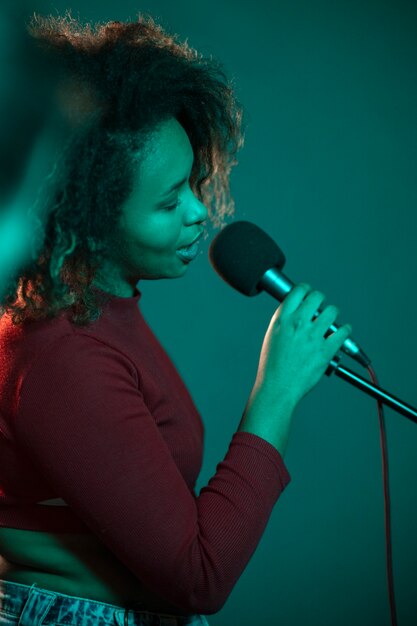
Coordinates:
(196,212)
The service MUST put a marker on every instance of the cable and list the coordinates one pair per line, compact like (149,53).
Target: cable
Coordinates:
(387,505)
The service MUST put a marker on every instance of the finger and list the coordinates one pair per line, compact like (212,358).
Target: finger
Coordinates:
(310,305)
(326,318)
(336,340)
(293,299)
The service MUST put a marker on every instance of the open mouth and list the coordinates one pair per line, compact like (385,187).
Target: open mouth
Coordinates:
(189,253)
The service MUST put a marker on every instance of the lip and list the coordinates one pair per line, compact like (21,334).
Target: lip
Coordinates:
(194,240)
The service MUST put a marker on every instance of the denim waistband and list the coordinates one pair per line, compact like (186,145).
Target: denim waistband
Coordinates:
(36,606)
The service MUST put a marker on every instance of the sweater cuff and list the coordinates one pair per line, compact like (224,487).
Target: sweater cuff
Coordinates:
(250,440)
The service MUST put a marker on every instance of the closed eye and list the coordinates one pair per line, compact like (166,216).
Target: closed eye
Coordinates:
(171,207)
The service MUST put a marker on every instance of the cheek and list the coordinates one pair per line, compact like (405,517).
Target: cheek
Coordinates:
(158,235)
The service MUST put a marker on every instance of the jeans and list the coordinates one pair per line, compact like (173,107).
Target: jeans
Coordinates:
(21,605)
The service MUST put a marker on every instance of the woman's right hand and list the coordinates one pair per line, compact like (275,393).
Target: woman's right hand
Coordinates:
(295,354)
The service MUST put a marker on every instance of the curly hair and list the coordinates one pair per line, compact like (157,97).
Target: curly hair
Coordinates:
(126,78)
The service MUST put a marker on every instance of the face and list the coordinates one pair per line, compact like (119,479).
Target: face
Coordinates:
(161,215)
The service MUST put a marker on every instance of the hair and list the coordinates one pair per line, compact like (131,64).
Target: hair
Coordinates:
(124,80)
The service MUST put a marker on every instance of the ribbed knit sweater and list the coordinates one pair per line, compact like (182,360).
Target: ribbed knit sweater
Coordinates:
(100,417)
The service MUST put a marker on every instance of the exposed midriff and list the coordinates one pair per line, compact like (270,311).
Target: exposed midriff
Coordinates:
(74,564)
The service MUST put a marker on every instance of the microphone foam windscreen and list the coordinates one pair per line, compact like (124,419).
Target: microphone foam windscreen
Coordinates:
(241,253)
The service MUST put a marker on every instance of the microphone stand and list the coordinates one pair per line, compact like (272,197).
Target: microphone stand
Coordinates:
(373,390)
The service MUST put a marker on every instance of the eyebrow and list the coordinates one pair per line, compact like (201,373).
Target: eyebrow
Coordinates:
(175,186)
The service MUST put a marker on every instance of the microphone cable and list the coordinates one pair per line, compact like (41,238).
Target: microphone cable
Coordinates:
(387,502)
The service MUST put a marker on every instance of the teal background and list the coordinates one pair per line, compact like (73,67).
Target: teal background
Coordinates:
(329,171)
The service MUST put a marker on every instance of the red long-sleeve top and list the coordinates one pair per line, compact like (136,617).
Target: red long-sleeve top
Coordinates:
(100,417)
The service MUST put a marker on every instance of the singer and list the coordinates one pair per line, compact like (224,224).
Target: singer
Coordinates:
(101,443)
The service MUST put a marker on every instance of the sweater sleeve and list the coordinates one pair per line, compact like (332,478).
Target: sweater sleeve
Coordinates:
(83,421)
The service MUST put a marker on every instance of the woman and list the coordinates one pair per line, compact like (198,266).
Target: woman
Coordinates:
(101,442)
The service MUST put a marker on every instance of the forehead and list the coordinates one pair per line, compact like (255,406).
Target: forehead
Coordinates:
(169,156)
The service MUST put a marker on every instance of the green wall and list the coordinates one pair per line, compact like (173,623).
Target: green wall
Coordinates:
(328,170)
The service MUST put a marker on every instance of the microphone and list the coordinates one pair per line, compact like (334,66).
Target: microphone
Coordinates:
(250,261)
